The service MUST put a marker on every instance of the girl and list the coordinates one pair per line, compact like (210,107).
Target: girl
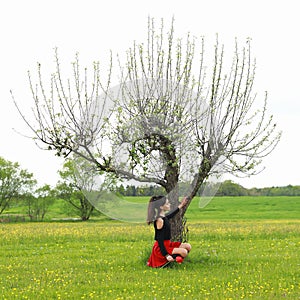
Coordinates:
(163,248)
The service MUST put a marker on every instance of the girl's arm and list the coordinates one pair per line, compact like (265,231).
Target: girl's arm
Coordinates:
(173,213)
(182,204)
(160,236)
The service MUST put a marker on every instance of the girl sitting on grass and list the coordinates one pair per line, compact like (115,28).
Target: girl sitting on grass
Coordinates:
(163,248)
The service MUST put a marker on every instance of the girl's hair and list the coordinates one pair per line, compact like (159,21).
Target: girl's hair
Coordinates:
(154,207)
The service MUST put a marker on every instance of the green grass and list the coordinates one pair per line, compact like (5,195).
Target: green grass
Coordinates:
(239,252)
(241,208)
(247,208)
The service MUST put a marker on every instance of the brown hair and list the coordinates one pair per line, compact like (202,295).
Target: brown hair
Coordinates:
(154,207)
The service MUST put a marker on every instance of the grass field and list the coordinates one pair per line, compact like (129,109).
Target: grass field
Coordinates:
(243,248)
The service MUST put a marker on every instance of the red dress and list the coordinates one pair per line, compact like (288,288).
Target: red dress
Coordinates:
(163,244)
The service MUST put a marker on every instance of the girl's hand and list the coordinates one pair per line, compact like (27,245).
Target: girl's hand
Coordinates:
(170,258)
(183,202)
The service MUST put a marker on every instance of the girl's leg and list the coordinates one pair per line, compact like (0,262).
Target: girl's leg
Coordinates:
(181,251)
(186,246)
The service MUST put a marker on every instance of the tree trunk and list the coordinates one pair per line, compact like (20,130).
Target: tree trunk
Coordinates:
(179,229)
(175,222)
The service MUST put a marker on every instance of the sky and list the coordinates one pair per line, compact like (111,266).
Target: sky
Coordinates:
(30,30)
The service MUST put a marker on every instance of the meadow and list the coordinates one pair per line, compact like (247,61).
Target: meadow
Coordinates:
(243,248)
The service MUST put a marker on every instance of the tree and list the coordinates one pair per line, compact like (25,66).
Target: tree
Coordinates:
(14,182)
(39,203)
(71,190)
(229,188)
(170,118)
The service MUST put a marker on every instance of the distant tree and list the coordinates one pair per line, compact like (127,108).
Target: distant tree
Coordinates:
(78,203)
(172,118)
(131,190)
(39,203)
(121,190)
(230,188)
(14,182)
(71,189)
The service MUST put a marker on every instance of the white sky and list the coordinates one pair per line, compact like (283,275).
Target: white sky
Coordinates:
(31,29)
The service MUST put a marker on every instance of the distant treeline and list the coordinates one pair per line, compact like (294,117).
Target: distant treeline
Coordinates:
(226,188)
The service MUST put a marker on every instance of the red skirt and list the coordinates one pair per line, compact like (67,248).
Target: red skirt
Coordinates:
(156,259)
